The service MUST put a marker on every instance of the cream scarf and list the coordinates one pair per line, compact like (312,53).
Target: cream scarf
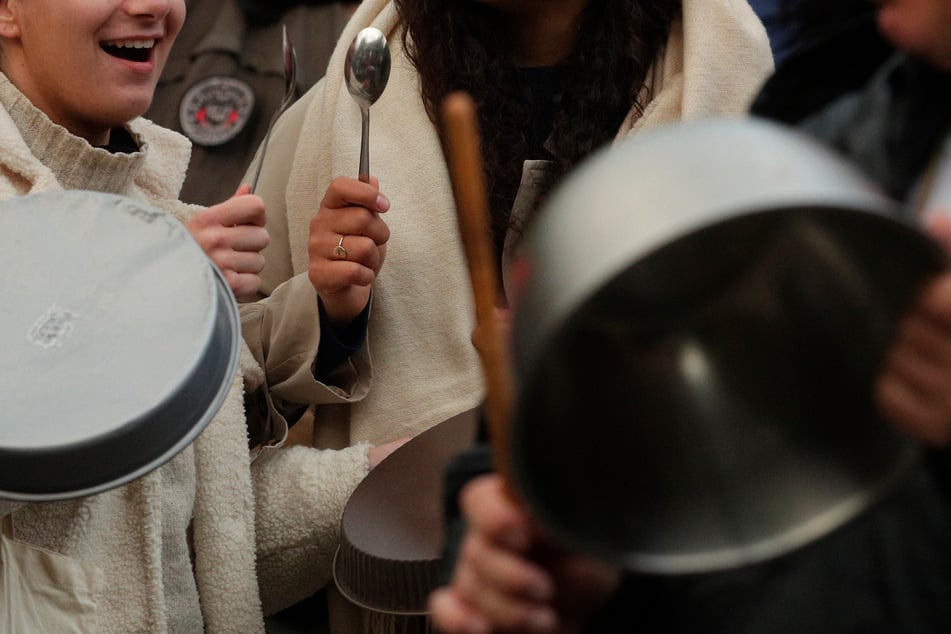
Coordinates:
(715,60)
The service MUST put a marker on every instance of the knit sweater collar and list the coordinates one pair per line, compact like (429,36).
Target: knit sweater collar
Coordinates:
(75,163)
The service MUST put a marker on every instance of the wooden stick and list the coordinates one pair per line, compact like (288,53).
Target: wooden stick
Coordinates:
(466,170)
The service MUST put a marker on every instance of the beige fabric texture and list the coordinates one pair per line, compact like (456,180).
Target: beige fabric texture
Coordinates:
(424,369)
(271,520)
(43,591)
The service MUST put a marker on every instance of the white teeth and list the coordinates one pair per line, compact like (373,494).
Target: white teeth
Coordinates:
(131,43)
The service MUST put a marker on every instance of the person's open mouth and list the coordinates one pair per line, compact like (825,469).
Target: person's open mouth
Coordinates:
(129,50)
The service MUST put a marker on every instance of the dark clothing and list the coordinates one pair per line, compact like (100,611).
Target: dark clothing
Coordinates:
(782,34)
(793,25)
(894,128)
(886,572)
(218,40)
(890,128)
(270,11)
(542,86)
(337,344)
(120,141)
(841,62)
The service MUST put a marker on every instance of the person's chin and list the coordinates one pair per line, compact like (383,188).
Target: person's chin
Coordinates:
(133,104)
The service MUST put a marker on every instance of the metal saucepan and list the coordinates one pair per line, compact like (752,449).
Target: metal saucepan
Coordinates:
(701,315)
(120,341)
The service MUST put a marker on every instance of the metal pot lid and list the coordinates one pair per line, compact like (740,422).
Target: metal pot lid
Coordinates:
(700,317)
(120,341)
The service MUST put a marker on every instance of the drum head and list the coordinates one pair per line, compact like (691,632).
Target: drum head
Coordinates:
(120,342)
(703,315)
(392,527)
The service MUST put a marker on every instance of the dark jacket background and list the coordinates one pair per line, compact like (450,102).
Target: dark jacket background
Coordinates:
(220,39)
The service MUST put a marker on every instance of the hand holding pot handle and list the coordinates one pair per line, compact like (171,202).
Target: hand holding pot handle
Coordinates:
(914,386)
(510,577)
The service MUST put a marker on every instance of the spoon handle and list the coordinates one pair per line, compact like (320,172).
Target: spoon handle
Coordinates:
(290,87)
(365,145)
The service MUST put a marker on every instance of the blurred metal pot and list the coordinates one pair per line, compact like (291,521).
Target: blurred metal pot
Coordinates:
(701,313)
(120,342)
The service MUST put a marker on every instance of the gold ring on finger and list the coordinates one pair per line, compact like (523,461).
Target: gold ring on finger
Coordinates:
(340,252)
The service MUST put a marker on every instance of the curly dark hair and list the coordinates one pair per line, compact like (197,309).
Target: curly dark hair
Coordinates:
(463,45)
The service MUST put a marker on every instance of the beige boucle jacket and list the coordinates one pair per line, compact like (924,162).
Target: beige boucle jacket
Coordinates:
(424,369)
(269,521)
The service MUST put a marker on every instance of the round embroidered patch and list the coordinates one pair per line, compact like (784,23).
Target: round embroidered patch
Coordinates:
(215,110)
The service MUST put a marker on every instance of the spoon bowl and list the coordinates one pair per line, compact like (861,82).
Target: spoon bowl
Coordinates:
(366,72)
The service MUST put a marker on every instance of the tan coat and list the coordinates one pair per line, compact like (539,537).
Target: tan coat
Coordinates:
(246,520)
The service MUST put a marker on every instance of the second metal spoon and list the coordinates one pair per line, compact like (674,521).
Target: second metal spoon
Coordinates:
(290,89)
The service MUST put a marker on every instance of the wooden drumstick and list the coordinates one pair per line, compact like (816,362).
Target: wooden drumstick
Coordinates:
(466,170)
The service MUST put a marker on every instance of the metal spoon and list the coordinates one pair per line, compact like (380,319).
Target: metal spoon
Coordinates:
(366,71)
(290,88)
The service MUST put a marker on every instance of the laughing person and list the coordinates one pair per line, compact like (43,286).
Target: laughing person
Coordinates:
(77,75)
(173,551)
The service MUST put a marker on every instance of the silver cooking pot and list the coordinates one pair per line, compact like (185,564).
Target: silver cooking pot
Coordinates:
(699,318)
(120,342)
